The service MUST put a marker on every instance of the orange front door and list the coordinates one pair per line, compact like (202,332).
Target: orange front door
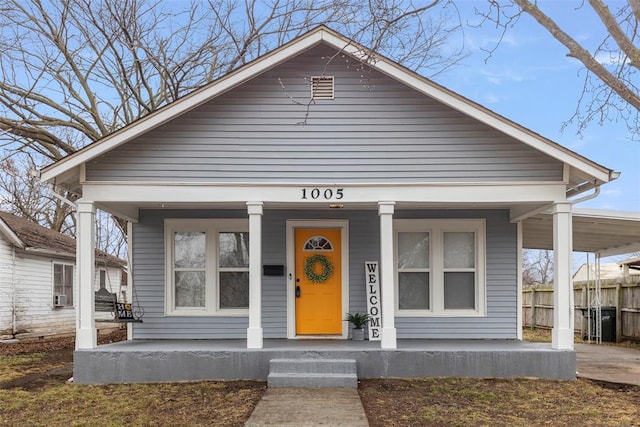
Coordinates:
(318,281)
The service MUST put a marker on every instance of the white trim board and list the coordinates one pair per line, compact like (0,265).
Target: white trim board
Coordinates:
(198,193)
(329,223)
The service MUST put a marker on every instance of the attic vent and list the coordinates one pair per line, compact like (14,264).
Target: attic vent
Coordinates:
(322,87)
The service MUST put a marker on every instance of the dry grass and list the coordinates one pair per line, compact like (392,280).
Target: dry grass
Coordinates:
(192,404)
(498,402)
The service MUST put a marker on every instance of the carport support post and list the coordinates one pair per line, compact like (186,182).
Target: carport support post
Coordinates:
(254,332)
(86,336)
(562,335)
(385,210)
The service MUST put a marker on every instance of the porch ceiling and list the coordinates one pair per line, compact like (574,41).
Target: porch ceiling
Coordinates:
(598,231)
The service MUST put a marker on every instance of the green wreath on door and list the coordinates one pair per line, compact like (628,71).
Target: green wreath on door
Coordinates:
(310,270)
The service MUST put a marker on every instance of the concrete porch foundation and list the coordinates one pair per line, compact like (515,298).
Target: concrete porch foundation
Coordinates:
(148,361)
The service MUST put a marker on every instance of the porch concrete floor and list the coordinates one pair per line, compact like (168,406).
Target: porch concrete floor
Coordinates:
(324,345)
(195,360)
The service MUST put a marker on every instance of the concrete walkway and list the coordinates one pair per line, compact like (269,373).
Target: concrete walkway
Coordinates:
(608,363)
(309,407)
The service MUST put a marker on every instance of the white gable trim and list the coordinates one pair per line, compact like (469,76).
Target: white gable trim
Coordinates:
(13,239)
(181,106)
(289,50)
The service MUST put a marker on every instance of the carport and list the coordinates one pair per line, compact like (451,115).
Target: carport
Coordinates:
(601,232)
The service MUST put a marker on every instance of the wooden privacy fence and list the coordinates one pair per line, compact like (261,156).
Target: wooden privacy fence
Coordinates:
(537,307)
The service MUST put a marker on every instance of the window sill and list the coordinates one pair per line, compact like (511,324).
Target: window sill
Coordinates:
(445,314)
(225,313)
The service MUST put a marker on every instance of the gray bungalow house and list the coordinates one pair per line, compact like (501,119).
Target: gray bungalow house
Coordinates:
(255,202)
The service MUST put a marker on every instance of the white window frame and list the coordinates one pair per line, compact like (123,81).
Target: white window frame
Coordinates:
(210,226)
(436,229)
(73,282)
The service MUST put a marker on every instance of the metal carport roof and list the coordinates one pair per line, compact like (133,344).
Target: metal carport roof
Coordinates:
(603,232)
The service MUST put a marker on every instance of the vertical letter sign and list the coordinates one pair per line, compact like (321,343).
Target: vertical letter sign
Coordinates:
(373,299)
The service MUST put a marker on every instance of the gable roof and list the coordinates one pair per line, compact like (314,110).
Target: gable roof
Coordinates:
(586,172)
(608,271)
(32,237)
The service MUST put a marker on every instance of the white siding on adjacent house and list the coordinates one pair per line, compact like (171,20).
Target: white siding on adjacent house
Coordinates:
(34,311)
(6,287)
(376,130)
(34,298)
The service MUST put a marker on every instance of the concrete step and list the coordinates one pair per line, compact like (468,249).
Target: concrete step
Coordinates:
(312,373)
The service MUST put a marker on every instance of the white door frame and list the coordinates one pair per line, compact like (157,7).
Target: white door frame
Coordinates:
(343,225)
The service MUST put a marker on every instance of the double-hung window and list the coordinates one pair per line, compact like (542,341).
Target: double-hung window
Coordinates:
(207,266)
(62,284)
(440,267)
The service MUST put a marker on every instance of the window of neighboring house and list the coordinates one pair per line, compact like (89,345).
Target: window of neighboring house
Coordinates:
(440,267)
(207,266)
(103,279)
(63,284)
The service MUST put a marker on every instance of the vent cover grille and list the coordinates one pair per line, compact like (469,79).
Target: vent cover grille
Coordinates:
(322,87)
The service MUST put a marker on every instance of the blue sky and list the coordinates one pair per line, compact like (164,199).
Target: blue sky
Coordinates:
(530,80)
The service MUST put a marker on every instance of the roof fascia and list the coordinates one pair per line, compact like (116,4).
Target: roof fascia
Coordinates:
(342,43)
(494,120)
(605,214)
(12,237)
(621,250)
(182,105)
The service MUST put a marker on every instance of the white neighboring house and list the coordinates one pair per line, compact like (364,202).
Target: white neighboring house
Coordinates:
(608,271)
(38,291)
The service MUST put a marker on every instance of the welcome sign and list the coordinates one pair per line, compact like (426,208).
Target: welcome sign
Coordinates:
(373,299)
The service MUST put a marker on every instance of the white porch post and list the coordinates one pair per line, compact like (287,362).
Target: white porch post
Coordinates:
(254,332)
(86,336)
(385,211)
(562,335)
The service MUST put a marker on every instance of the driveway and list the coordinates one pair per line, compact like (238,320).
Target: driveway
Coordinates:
(608,363)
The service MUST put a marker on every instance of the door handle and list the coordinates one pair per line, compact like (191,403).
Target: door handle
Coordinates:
(297,291)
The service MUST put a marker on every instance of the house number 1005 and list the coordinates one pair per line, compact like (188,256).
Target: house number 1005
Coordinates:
(325,194)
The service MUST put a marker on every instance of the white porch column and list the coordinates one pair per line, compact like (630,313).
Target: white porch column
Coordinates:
(562,335)
(385,211)
(254,332)
(86,336)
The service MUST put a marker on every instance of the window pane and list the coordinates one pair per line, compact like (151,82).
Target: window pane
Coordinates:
(234,250)
(190,288)
(413,250)
(68,283)
(459,250)
(190,249)
(57,279)
(234,289)
(459,291)
(413,291)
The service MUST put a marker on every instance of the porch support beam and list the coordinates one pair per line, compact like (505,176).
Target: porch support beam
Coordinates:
(254,332)
(86,336)
(562,334)
(385,211)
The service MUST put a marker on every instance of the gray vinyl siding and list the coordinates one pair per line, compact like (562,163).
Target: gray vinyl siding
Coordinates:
(149,283)
(364,243)
(375,130)
(501,280)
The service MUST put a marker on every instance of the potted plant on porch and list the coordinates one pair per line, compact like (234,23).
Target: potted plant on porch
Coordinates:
(358,320)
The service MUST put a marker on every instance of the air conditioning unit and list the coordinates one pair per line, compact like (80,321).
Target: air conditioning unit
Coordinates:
(59,300)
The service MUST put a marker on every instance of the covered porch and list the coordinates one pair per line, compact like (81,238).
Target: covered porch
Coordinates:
(198,360)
